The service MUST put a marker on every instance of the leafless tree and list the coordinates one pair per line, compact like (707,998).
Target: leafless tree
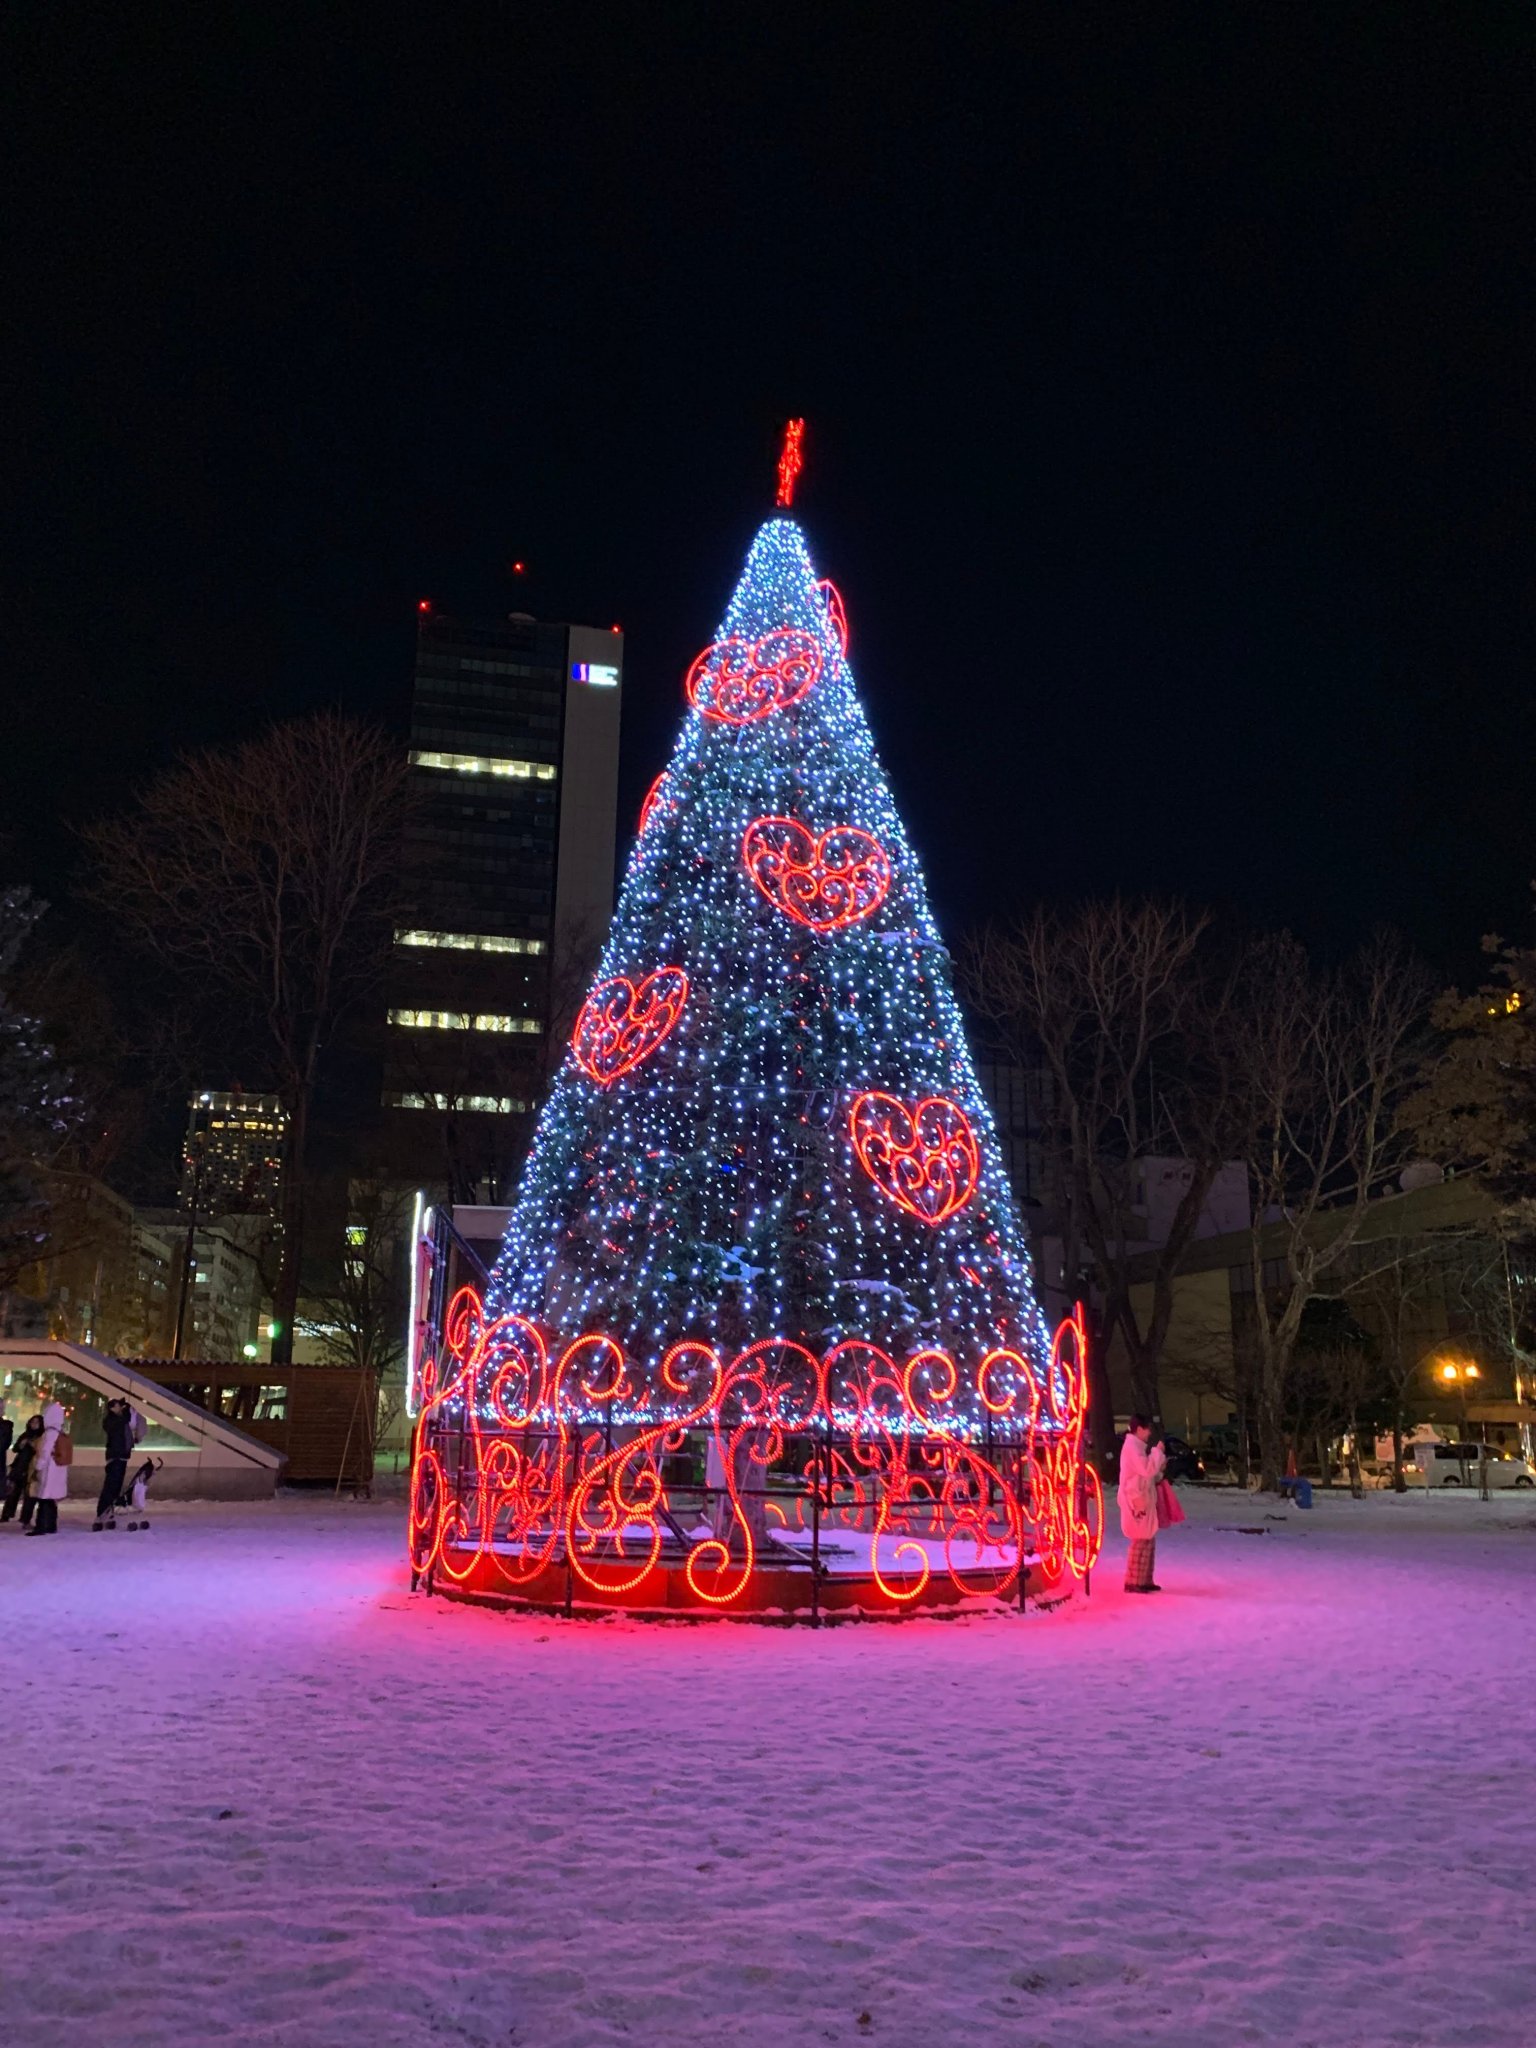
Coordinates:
(1129,1015)
(1412,1292)
(1325,1059)
(362,1304)
(266,876)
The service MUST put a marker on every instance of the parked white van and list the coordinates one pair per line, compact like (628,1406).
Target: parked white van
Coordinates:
(1458,1465)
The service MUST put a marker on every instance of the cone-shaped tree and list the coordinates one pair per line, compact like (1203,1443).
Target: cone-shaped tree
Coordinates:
(769,1124)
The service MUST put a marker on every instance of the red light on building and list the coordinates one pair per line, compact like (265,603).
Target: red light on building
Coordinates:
(423,604)
(519,568)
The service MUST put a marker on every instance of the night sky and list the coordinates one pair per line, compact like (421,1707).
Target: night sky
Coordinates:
(1168,377)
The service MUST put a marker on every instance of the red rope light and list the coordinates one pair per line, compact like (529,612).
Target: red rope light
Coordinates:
(924,1157)
(791,461)
(837,612)
(655,798)
(622,1022)
(738,681)
(822,880)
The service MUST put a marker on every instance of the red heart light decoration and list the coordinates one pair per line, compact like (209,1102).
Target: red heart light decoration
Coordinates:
(923,1157)
(622,1022)
(739,681)
(823,881)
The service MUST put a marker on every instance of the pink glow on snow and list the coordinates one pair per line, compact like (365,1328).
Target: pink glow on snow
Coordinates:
(1283,1802)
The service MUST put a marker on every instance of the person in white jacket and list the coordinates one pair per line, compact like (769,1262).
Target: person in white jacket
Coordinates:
(1141,1467)
(49,1483)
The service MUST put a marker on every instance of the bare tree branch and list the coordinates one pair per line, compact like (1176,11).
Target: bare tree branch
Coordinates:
(267,874)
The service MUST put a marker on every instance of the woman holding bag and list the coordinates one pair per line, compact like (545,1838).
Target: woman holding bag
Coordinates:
(1141,1473)
(48,1482)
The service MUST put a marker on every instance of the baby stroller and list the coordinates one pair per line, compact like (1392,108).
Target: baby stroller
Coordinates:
(134,1497)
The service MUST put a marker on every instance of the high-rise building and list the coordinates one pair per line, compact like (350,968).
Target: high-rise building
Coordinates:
(232,1160)
(514,753)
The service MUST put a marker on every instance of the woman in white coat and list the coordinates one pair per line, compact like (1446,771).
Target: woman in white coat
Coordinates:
(1141,1467)
(49,1483)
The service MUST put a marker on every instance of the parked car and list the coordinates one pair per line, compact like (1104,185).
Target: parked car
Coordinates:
(1463,1465)
(1185,1465)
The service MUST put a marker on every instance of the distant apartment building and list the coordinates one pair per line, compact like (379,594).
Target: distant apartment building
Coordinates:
(232,1159)
(204,1281)
(111,1276)
(514,749)
(82,1286)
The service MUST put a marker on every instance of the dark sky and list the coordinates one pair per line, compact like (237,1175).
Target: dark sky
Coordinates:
(1169,380)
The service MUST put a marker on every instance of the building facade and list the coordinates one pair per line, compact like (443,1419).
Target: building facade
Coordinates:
(514,751)
(207,1278)
(1429,1283)
(118,1278)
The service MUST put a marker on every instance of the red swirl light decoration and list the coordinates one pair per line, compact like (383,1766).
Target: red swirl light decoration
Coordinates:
(1069,1520)
(823,881)
(837,612)
(738,681)
(923,1156)
(656,799)
(519,1489)
(622,1022)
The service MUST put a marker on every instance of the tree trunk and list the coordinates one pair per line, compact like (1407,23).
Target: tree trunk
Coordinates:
(1240,1407)
(285,1301)
(1271,1418)
(1399,1481)
(1101,1407)
(1144,1387)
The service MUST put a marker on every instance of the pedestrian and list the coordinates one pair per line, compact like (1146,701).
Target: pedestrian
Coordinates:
(1141,1467)
(7,1431)
(16,1494)
(118,1430)
(49,1483)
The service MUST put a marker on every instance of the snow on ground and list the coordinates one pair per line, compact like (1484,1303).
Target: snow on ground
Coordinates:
(255,1793)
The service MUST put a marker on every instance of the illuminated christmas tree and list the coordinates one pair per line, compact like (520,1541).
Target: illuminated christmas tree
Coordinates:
(765,1198)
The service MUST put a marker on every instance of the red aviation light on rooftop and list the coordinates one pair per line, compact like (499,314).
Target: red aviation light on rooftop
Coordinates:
(791,461)
(423,604)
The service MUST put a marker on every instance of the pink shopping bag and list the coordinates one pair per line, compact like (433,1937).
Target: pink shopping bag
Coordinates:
(1169,1513)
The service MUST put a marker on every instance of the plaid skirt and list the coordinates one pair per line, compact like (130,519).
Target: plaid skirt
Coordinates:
(1138,1564)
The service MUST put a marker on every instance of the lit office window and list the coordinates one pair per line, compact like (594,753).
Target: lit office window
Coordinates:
(484,764)
(486,1105)
(470,942)
(463,1020)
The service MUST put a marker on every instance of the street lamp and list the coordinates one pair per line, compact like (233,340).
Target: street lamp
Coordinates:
(1460,1374)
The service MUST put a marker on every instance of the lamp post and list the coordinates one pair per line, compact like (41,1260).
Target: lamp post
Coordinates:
(1460,1373)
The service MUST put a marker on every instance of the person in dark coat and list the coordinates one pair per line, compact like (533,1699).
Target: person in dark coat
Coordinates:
(117,1426)
(16,1494)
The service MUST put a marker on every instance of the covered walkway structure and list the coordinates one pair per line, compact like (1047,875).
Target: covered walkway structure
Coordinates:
(203,1456)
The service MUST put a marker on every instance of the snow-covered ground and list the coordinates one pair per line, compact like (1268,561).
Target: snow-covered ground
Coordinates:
(254,1792)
